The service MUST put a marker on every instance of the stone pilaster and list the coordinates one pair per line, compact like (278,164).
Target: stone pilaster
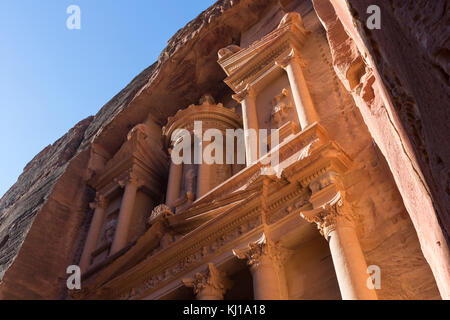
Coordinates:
(174,183)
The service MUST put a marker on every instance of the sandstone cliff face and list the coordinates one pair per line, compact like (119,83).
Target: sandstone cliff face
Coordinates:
(32,192)
(398,77)
(48,206)
(386,234)
(52,218)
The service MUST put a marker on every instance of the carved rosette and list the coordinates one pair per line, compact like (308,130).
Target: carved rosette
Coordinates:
(213,283)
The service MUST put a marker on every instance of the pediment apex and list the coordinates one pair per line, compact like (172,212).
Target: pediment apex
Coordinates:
(291,18)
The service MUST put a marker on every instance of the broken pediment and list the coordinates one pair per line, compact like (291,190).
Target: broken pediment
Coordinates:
(250,66)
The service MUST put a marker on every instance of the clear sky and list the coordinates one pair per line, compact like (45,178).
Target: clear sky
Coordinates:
(52,77)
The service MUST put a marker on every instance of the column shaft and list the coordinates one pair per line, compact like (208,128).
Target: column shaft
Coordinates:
(303,102)
(349,264)
(209,293)
(92,238)
(250,120)
(124,219)
(266,281)
(174,183)
(204,174)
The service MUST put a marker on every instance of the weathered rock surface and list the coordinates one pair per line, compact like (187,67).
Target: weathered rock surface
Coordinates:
(40,209)
(405,109)
(399,79)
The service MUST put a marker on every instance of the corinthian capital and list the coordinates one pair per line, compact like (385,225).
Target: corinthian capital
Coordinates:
(99,202)
(213,280)
(330,215)
(262,249)
(248,91)
(292,57)
(130,178)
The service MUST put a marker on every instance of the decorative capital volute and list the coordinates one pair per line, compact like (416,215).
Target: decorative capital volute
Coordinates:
(259,251)
(99,202)
(330,215)
(211,279)
(130,178)
(292,57)
(248,91)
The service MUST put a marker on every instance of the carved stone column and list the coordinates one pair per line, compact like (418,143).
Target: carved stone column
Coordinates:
(266,265)
(204,174)
(300,92)
(335,222)
(210,286)
(131,185)
(174,183)
(211,115)
(94,231)
(247,98)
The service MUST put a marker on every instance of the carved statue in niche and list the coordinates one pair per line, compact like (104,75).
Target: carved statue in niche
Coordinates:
(108,234)
(280,107)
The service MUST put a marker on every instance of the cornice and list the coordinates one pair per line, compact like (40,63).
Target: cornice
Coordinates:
(224,231)
(133,161)
(189,252)
(212,115)
(247,65)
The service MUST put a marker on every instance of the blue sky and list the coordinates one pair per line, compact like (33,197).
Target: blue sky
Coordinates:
(52,77)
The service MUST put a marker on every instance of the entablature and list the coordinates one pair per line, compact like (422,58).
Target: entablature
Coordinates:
(255,64)
(212,116)
(306,158)
(133,160)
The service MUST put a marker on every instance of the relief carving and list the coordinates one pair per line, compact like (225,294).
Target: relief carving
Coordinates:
(330,215)
(261,252)
(212,283)
(280,107)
